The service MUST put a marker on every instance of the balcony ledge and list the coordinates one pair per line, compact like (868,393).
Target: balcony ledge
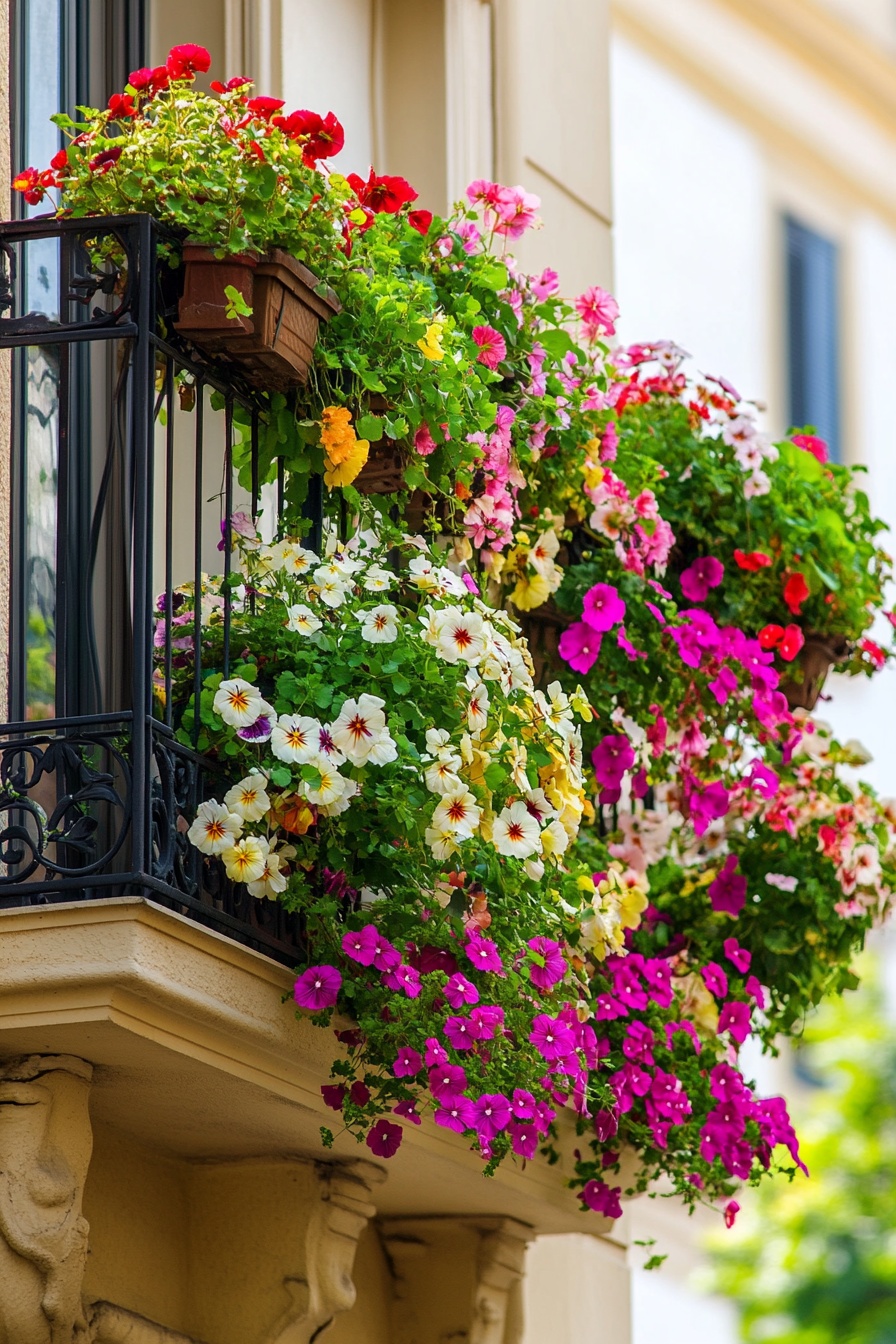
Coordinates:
(197,1054)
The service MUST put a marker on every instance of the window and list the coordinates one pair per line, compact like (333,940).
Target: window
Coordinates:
(813,356)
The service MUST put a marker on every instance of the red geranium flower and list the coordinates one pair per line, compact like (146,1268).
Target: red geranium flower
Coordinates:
(770,636)
(420,220)
(791,643)
(106,159)
(184,61)
(121,105)
(796,590)
(238,82)
(752,560)
(323,136)
(383,195)
(59,160)
(874,652)
(264,107)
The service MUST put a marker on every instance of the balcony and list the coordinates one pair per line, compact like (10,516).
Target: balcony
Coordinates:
(128,453)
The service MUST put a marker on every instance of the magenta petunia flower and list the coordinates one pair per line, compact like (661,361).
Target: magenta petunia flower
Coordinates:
(728,891)
(361,944)
(549,965)
(487,1019)
(447,1080)
(384,1138)
(602,607)
(552,1038)
(580,647)
(455,1113)
(460,991)
(704,574)
(707,803)
(461,1033)
(408,1063)
(522,1104)
(436,1053)
(611,758)
(715,979)
(524,1140)
(606,1124)
(737,955)
(492,346)
(317,988)
(408,1111)
(359,1093)
(403,979)
(484,954)
(333,1095)
(492,1112)
(735,1018)
(598,1196)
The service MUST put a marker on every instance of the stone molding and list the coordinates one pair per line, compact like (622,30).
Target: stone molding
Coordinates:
(45,1149)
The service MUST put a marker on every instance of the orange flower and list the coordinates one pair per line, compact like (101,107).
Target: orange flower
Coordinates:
(294,814)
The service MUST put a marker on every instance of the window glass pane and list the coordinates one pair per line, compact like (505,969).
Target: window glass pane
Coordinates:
(813,333)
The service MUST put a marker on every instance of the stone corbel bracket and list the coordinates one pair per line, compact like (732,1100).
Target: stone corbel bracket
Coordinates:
(45,1148)
(327,1288)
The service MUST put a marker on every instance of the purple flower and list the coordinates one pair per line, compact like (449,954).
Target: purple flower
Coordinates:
(756,992)
(548,966)
(737,955)
(607,1009)
(404,979)
(486,1020)
(698,578)
(484,954)
(470,583)
(728,891)
(522,1104)
(715,979)
(689,1030)
(602,607)
(436,1053)
(612,756)
(763,779)
(524,1140)
(724,685)
(637,1044)
(627,647)
(657,974)
(735,1018)
(460,991)
(628,1083)
(552,1038)
(598,1196)
(492,1115)
(408,1111)
(455,1113)
(580,647)
(317,988)
(606,1124)
(627,987)
(359,1093)
(333,1095)
(384,1138)
(361,944)
(259,731)
(462,1034)
(447,1081)
(408,1063)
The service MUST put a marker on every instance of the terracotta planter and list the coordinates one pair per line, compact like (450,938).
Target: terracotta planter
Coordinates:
(814,661)
(273,346)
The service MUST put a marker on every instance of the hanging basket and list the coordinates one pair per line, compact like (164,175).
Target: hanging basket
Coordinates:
(274,345)
(814,662)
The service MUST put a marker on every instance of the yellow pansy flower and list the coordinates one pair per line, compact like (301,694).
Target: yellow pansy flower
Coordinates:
(431,343)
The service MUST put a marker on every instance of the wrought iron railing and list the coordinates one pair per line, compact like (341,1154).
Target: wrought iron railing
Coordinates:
(124,487)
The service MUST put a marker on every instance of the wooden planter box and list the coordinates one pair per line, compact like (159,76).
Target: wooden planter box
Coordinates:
(274,346)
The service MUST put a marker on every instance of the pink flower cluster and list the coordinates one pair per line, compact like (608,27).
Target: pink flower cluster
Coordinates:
(724,1133)
(642,538)
(508,211)
(489,521)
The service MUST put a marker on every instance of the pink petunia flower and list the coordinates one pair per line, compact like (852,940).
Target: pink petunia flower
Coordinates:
(704,574)
(384,1138)
(408,1063)
(598,311)
(492,346)
(579,646)
(602,607)
(317,988)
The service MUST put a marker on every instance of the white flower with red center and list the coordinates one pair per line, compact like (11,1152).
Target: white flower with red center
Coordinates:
(238,702)
(437,739)
(457,812)
(216,827)
(275,875)
(296,739)
(739,431)
(377,580)
(477,708)
(248,799)
(541,556)
(328,788)
(380,624)
(246,860)
(441,841)
(441,776)
(517,762)
(424,574)
(351,788)
(516,832)
(537,802)
(360,732)
(572,755)
(865,860)
(302,620)
(295,560)
(461,636)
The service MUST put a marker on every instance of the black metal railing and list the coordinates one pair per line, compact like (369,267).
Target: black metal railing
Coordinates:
(124,488)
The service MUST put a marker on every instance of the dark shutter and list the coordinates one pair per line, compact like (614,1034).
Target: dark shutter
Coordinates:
(813,357)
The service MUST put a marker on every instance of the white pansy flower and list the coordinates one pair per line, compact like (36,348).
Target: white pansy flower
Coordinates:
(215,828)
(423,573)
(441,776)
(296,739)
(360,732)
(351,789)
(477,708)
(238,702)
(516,832)
(327,747)
(302,620)
(295,560)
(246,860)
(518,759)
(461,636)
(329,788)
(333,592)
(541,556)
(248,799)
(436,739)
(377,580)
(534,868)
(457,812)
(274,877)
(537,802)
(442,842)
(380,624)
